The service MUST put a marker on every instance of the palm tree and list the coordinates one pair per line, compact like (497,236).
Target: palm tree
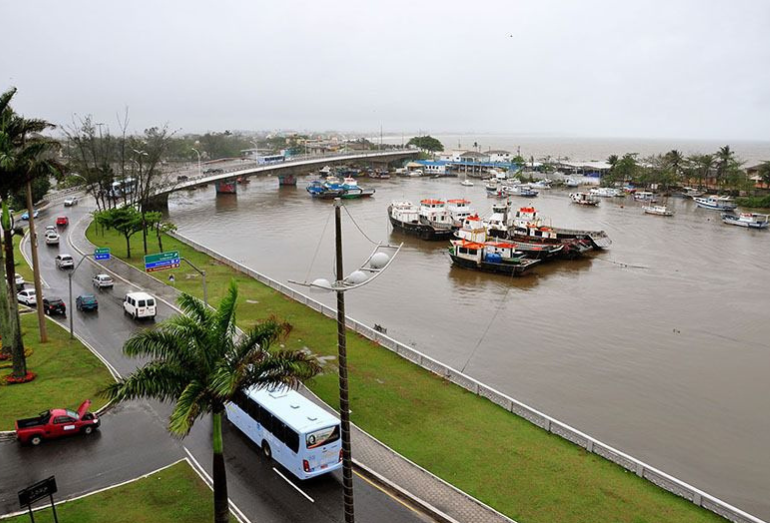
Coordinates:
(725,159)
(200,363)
(675,160)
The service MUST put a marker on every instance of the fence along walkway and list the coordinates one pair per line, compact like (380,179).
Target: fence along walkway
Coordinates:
(648,472)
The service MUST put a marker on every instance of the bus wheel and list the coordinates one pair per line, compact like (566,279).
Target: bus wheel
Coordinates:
(266,449)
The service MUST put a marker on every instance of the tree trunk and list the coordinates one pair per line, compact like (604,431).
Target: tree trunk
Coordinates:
(128,246)
(160,240)
(36,267)
(221,508)
(5,316)
(144,234)
(13,343)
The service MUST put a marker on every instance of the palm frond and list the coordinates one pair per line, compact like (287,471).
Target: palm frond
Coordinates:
(157,379)
(190,405)
(194,308)
(224,319)
(164,344)
(264,369)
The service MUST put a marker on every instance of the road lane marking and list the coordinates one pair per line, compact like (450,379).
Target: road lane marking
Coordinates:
(293,485)
(197,467)
(375,485)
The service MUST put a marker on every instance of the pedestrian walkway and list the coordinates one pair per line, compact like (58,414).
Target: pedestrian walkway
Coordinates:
(444,501)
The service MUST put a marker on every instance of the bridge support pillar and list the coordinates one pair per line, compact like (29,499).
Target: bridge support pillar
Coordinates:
(157,203)
(228,186)
(287,179)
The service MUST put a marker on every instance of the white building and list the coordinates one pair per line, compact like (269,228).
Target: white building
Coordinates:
(500,156)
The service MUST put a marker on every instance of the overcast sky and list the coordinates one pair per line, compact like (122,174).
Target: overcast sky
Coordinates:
(658,69)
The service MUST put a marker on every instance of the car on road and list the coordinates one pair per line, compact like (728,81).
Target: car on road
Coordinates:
(54,306)
(62,221)
(65,261)
(69,202)
(51,228)
(51,238)
(182,178)
(56,423)
(139,305)
(27,297)
(213,171)
(102,281)
(86,302)
(19,279)
(25,216)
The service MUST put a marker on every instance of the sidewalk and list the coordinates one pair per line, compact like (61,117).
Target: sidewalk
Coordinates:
(375,460)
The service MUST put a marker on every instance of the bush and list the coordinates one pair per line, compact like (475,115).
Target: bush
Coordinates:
(756,202)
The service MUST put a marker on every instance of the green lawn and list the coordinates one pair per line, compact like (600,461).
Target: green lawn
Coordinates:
(172,495)
(21,265)
(508,463)
(67,374)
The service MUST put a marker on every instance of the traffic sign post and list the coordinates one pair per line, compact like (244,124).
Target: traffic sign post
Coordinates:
(38,491)
(162,261)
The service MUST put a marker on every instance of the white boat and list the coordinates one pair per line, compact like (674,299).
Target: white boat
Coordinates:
(416,173)
(658,210)
(466,183)
(584,198)
(691,192)
(522,190)
(500,222)
(326,171)
(571,182)
(541,184)
(645,196)
(472,230)
(750,220)
(716,203)
(459,209)
(606,192)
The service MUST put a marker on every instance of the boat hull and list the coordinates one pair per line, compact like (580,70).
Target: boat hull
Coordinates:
(421,230)
(511,269)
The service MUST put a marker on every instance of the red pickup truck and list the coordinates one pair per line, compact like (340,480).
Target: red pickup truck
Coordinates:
(56,423)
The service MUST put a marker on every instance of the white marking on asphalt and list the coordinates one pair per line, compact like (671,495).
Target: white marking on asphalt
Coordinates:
(197,467)
(293,485)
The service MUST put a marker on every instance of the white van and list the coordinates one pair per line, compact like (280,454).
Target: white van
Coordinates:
(139,305)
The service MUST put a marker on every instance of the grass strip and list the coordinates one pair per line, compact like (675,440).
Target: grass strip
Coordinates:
(501,459)
(67,373)
(174,494)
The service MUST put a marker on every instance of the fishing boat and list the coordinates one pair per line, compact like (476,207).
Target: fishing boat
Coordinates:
(584,198)
(492,256)
(356,192)
(522,190)
(606,192)
(691,192)
(499,224)
(325,171)
(572,182)
(429,221)
(458,209)
(716,203)
(657,210)
(324,190)
(645,196)
(543,185)
(496,190)
(473,229)
(750,220)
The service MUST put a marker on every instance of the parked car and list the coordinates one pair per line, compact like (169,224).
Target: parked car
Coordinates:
(25,216)
(139,305)
(102,280)
(62,221)
(69,202)
(65,261)
(86,302)
(56,423)
(54,306)
(51,238)
(19,279)
(27,297)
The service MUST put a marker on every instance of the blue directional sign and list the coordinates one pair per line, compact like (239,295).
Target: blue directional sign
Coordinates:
(102,253)
(162,261)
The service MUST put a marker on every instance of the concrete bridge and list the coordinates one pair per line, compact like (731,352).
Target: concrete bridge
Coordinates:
(286,170)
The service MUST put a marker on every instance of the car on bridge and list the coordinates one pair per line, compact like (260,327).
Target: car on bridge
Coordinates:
(215,170)
(56,423)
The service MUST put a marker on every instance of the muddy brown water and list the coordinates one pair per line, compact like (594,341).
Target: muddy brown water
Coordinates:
(659,346)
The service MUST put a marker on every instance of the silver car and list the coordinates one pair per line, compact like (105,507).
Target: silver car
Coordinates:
(101,281)
(65,261)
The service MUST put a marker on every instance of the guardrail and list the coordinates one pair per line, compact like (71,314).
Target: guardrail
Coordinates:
(640,468)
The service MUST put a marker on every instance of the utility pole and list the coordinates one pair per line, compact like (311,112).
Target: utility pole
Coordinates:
(342,357)
(36,266)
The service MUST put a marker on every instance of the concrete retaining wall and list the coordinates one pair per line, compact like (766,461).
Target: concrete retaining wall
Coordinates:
(658,477)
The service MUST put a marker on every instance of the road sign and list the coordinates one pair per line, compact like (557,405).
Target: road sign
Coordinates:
(37,491)
(102,253)
(162,261)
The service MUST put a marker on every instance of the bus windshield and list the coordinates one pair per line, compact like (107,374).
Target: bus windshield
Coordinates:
(322,437)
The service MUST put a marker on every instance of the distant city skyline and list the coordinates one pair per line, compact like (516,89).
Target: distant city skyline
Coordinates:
(662,70)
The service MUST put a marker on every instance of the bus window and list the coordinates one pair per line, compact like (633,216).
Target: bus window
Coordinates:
(292,440)
(322,437)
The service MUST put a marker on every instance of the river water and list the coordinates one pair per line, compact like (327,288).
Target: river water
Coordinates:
(657,346)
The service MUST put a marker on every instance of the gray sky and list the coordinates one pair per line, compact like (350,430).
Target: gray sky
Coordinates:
(687,69)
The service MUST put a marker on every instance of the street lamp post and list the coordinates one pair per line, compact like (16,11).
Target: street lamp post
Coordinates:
(378,261)
(200,172)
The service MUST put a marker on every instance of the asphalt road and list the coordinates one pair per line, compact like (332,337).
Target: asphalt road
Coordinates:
(133,441)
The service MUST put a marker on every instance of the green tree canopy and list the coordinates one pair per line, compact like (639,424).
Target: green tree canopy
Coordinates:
(426,143)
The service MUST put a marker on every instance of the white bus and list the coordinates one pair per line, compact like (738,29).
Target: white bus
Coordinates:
(291,429)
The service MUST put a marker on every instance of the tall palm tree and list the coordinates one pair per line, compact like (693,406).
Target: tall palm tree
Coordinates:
(725,159)
(675,161)
(200,363)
